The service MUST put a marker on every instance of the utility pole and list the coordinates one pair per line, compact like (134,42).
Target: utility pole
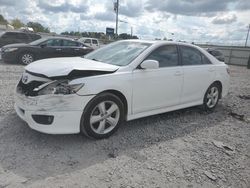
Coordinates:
(131,31)
(247,35)
(116,8)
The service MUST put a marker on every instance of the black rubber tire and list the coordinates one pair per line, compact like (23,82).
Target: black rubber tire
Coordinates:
(22,54)
(205,107)
(85,119)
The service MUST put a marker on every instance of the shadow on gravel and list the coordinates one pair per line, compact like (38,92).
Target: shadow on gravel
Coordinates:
(35,155)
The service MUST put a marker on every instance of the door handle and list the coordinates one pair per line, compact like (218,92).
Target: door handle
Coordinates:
(58,49)
(178,73)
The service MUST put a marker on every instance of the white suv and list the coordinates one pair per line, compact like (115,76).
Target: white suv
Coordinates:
(92,42)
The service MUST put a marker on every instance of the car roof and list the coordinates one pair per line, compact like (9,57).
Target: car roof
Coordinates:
(160,42)
(55,37)
(17,31)
(88,38)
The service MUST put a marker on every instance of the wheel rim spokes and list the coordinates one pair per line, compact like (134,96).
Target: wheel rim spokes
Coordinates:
(212,97)
(104,117)
(27,58)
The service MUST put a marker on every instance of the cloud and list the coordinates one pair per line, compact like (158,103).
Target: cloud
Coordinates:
(105,16)
(131,8)
(62,7)
(127,8)
(243,5)
(227,19)
(189,8)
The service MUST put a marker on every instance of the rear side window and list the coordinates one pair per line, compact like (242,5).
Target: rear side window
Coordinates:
(205,60)
(190,56)
(9,35)
(167,56)
(34,36)
(94,41)
(88,41)
(216,53)
(70,43)
(22,36)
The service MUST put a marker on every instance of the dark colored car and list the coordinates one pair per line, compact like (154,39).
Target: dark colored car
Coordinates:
(216,53)
(11,37)
(43,48)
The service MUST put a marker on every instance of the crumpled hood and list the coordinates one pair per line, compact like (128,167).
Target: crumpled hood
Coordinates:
(56,67)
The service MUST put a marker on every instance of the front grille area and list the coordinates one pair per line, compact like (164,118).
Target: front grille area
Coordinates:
(27,89)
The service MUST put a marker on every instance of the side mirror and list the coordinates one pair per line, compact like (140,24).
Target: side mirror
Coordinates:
(150,64)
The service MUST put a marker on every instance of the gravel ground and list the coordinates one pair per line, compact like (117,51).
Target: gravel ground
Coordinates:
(186,148)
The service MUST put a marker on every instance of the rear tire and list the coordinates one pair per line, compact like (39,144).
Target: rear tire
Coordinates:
(212,97)
(102,116)
(26,58)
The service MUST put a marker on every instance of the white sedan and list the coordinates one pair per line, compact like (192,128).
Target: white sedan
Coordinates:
(125,80)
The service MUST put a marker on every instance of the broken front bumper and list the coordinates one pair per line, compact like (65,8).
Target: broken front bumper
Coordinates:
(52,114)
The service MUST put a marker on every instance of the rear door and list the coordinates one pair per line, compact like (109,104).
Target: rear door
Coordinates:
(95,43)
(199,73)
(71,48)
(88,42)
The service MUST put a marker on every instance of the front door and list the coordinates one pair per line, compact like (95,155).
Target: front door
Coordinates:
(158,88)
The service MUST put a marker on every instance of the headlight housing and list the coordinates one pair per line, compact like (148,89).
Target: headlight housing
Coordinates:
(10,49)
(58,87)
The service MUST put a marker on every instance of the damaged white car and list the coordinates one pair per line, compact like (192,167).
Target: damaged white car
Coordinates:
(122,81)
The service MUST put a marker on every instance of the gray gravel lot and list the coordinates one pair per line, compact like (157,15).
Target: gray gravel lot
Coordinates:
(186,148)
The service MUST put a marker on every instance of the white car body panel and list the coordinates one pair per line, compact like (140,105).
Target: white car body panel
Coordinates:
(147,92)
(166,81)
(194,89)
(50,68)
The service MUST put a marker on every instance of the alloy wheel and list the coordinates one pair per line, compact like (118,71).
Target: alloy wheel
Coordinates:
(104,117)
(27,59)
(212,97)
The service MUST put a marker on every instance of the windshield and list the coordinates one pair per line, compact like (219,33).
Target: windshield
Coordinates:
(118,53)
(37,42)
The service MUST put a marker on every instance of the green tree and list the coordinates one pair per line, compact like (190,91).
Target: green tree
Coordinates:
(3,20)
(127,36)
(37,27)
(16,23)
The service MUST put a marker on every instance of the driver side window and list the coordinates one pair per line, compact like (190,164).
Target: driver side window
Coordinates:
(167,56)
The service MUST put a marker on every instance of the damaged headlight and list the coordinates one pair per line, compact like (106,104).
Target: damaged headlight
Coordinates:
(58,87)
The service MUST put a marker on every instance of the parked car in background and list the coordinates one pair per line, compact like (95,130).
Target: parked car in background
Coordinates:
(11,37)
(124,80)
(216,53)
(92,42)
(43,48)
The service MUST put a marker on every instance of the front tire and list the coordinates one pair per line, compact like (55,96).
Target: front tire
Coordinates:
(102,116)
(211,97)
(26,58)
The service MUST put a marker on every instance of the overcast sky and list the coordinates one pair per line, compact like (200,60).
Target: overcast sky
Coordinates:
(215,21)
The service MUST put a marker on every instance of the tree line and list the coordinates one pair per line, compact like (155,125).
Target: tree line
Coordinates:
(38,27)
(17,24)
(99,35)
